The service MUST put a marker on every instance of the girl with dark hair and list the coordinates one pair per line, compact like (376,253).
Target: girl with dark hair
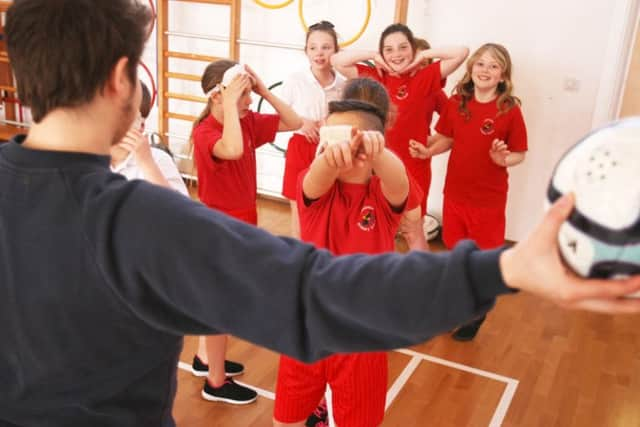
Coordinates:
(484,128)
(399,68)
(350,200)
(308,91)
(225,138)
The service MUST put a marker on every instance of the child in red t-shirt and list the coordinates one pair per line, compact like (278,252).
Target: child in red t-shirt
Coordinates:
(484,128)
(399,68)
(346,208)
(225,138)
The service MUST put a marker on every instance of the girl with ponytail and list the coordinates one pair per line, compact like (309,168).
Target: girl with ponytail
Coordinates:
(224,139)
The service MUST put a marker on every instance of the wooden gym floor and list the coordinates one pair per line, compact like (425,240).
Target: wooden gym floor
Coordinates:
(532,364)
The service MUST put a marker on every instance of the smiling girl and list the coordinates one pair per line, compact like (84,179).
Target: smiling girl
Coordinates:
(399,67)
(484,128)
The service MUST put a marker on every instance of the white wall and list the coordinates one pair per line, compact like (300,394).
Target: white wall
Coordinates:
(553,44)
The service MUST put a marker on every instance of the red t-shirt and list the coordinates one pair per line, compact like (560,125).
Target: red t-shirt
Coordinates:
(349,218)
(472,177)
(411,96)
(230,185)
(436,102)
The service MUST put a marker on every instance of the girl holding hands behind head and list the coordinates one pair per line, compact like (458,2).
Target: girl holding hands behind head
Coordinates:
(225,138)
(484,128)
(399,67)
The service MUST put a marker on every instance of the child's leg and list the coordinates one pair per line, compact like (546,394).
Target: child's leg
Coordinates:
(412,229)
(216,350)
(486,227)
(454,224)
(295,221)
(359,388)
(299,388)
(277,423)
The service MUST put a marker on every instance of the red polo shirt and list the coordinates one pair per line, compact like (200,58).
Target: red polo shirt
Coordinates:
(230,185)
(472,177)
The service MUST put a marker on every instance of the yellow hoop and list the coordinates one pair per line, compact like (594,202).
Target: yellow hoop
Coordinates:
(273,6)
(351,40)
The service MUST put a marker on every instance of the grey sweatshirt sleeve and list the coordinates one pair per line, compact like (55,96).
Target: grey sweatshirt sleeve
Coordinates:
(185,269)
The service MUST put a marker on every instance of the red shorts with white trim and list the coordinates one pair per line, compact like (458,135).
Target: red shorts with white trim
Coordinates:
(358,388)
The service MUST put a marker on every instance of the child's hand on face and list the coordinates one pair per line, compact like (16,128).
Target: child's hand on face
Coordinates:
(311,129)
(381,65)
(135,142)
(372,143)
(499,152)
(345,154)
(418,150)
(257,84)
(236,88)
(419,61)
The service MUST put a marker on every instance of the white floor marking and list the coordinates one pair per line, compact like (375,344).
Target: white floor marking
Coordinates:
(402,380)
(507,394)
(392,393)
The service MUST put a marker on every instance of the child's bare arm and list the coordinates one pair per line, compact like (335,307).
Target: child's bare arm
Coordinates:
(388,167)
(230,146)
(289,119)
(451,57)
(436,144)
(325,168)
(501,155)
(345,61)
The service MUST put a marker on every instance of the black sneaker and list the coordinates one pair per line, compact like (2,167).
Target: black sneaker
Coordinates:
(469,331)
(229,392)
(200,369)
(319,417)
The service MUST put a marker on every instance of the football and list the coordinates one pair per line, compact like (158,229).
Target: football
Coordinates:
(601,237)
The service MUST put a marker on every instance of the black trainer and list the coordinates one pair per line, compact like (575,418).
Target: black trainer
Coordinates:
(200,369)
(229,392)
(469,331)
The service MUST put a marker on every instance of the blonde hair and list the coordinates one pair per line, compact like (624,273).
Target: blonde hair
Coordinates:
(465,86)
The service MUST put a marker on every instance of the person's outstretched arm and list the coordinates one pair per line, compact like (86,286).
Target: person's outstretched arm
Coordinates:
(229,277)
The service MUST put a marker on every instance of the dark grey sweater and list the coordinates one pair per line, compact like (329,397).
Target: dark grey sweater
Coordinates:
(101,277)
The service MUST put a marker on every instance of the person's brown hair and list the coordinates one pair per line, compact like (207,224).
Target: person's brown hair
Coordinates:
(465,87)
(211,77)
(366,95)
(397,28)
(325,27)
(145,102)
(63,51)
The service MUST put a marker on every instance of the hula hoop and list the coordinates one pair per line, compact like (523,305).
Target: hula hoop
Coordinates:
(154,90)
(273,6)
(259,107)
(352,39)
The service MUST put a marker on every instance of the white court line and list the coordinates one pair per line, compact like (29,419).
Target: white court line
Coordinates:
(503,405)
(507,395)
(402,380)
(261,392)
(416,358)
